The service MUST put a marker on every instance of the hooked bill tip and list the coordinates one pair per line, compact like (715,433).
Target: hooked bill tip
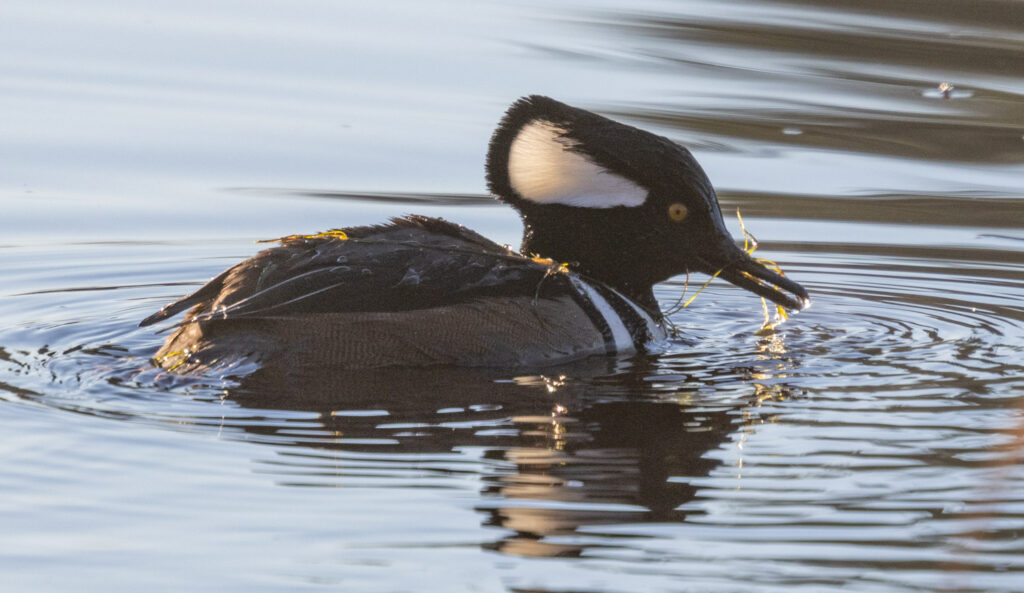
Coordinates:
(754,277)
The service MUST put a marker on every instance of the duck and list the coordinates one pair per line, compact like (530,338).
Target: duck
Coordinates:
(608,210)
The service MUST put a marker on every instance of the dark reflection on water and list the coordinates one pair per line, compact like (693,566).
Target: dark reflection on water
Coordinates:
(612,460)
(436,199)
(990,15)
(908,134)
(851,38)
(972,210)
(856,77)
(574,446)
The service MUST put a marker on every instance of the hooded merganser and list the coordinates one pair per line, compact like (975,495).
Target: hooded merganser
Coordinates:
(609,210)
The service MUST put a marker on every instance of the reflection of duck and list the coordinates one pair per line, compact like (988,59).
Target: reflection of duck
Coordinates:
(624,450)
(617,470)
(622,208)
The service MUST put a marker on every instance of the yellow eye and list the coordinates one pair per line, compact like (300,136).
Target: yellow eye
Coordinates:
(677,212)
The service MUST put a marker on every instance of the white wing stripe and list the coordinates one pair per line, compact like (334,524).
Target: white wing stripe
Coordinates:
(620,334)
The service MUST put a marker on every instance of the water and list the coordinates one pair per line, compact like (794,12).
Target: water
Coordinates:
(874,443)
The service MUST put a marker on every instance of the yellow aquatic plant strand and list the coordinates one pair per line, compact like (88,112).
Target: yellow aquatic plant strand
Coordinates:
(334,233)
(184,356)
(749,241)
(751,246)
(168,355)
(678,306)
(701,289)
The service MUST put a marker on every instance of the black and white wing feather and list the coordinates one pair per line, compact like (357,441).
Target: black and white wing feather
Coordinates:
(413,263)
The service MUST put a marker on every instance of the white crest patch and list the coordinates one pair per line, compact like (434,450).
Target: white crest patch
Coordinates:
(543,169)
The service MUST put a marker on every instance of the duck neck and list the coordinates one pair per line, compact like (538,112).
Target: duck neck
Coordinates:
(597,259)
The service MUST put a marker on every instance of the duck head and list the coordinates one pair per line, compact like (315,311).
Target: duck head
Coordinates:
(621,205)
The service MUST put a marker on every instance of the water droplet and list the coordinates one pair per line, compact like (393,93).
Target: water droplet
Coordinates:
(946,91)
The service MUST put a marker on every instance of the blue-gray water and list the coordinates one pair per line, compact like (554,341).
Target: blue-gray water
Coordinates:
(875,443)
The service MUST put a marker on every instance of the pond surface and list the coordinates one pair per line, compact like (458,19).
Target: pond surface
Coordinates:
(874,442)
